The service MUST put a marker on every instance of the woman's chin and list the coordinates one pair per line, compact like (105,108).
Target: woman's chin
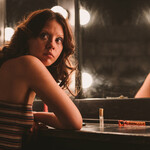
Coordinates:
(47,63)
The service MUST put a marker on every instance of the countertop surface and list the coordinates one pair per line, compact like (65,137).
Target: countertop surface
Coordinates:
(132,130)
(109,133)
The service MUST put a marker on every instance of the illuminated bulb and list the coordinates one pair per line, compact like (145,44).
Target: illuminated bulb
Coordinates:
(72,85)
(84,17)
(8,33)
(86,80)
(72,17)
(60,10)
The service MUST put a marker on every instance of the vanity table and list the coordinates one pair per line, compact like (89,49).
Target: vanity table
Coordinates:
(91,136)
(110,136)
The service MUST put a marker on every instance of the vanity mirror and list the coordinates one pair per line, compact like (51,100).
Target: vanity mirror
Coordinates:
(114,42)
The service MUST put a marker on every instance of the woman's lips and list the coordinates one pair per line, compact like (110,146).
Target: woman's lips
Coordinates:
(50,55)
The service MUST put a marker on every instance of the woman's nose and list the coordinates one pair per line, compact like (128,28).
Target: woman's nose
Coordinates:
(51,44)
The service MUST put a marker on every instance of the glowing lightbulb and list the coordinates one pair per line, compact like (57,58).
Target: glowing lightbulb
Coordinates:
(8,33)
(60,10)
(87,80)
(84,17)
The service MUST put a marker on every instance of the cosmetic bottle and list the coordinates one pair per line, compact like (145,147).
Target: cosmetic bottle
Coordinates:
(101,117)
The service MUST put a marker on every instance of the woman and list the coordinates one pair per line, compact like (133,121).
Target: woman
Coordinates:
(144,91)
(41,41)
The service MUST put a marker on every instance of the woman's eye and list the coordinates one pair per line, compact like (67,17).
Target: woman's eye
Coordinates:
(44,36)
(59,40)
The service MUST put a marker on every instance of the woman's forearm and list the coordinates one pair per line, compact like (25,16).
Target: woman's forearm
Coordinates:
(48,118)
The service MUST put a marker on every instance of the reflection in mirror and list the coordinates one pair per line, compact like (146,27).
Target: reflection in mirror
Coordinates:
(116,46)
(114,42)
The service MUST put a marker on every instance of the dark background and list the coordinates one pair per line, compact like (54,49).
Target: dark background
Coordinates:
(115,43)
(116,46)
(17,9)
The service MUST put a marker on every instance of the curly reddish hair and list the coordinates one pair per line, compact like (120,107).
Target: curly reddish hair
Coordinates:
(31,27)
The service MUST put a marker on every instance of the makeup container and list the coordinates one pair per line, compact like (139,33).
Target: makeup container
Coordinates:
(101,117)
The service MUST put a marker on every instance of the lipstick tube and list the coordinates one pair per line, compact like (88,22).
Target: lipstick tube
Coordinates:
(101,117)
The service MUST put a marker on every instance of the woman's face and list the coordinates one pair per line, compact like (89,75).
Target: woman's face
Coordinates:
(49,44)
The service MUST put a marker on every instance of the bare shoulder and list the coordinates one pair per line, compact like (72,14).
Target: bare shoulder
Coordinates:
(23,65)
(28,63)
(31,64)
(28,60)
(21,61)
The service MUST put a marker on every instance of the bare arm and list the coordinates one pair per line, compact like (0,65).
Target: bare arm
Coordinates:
(49,118)
(65,114)
(144,91)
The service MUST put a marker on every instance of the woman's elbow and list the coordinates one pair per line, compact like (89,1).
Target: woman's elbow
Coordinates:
(74,125)
(78,124)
